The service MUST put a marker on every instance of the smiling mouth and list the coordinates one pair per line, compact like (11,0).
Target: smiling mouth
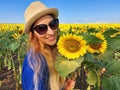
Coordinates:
(51,38)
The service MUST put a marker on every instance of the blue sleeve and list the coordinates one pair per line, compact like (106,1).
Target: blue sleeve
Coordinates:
(27,75)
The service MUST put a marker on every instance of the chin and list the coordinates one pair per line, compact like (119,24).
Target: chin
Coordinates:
(52,43)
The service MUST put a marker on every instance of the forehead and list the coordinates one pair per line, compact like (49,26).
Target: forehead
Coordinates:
(44,18)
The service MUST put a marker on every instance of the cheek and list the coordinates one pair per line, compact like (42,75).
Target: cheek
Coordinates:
(42,39)
(56,34)
(51,42)
(47,41)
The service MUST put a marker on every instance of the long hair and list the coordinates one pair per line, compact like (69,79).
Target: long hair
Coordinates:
(49,52)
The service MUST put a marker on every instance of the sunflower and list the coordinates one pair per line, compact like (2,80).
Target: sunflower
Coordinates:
(20,32)
(71,46)
(15,36)
(98,47)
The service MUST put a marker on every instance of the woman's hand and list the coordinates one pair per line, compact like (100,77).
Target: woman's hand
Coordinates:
(70,84)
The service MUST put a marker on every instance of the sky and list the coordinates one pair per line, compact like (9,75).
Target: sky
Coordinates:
(70,11)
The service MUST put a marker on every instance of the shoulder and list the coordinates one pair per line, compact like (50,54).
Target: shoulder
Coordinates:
(31,60)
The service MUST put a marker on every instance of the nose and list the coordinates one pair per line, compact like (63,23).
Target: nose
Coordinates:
(50,31)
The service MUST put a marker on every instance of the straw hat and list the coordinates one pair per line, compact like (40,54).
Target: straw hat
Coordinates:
(36,10)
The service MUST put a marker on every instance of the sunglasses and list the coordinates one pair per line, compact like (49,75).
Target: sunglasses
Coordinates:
(42,28)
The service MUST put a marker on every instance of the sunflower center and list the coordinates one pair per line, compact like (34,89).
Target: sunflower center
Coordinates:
(72,45)
(20,32)
(95,46)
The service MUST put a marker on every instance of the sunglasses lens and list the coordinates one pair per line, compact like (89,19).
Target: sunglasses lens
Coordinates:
(41,29)
(54,24)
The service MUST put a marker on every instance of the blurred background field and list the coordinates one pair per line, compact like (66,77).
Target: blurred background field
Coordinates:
(13,47)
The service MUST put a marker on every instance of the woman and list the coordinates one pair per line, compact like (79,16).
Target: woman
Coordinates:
(38,72)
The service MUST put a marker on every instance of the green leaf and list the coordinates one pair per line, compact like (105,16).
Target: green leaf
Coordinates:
(88,57)
(65,67)
(107,56)
(91,39)
(111,83)
(109,32)
(14,46)
(92,77)
(9,64)
(113,67)
(92,30)
(114,43)
(91,60)
(88,88)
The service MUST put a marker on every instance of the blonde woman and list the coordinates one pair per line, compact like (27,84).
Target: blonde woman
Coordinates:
(38,72)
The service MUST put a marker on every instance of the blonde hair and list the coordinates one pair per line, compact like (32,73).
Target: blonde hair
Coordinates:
(49,53)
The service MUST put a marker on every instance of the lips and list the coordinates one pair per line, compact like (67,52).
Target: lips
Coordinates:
(51,38)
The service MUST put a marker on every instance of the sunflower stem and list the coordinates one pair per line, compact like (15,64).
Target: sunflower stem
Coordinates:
(82,76)
(99,79)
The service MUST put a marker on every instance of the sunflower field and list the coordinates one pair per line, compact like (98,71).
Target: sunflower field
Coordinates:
(89,53)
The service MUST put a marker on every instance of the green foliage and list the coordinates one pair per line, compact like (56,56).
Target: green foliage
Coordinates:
(107,56)
(110,32)
(92,77)
(111,83)
(12,52)
(92,30)
(114,43)
(99,67)
(65,67)
(113,67)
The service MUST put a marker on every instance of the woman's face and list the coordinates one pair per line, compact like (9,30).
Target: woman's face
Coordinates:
(50,37)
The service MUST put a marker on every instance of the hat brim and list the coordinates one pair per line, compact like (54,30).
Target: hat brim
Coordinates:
(28,23)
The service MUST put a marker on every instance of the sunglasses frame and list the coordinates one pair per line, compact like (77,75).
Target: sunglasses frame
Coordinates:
(54,21)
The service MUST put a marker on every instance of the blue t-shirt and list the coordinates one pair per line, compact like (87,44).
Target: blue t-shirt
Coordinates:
(28,74)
